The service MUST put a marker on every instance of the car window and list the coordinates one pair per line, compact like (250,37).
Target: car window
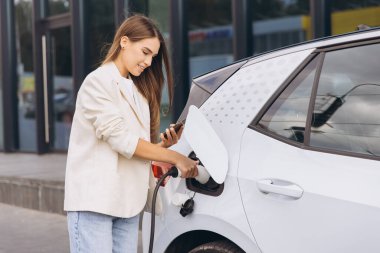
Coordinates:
(287,115)
(346,112)
(212,81)
(204,86)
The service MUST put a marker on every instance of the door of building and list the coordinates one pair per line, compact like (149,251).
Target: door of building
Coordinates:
(58,91)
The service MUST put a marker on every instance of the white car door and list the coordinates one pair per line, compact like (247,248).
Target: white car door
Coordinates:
(324,202)
(318,192)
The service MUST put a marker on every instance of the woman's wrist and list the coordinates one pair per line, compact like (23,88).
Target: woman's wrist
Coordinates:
(174,157)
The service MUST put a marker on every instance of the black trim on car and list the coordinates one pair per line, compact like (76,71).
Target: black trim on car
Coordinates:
(277,137)
(312,148)
(198,85)
(344,45)
(197,97)
(341,152)
(225,66)
(312,98)
(211,188)
(226,72)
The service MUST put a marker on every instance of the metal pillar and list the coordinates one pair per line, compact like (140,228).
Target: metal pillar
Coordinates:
(119,12)
(180,55)
(79,37)
(320,11)
(242,32)
(9,75)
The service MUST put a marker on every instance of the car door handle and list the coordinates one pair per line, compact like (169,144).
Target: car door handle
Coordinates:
(280,187)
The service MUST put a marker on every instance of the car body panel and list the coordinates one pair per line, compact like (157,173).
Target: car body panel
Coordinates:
(337,204)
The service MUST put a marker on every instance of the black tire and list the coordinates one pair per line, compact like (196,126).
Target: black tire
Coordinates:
(217,247)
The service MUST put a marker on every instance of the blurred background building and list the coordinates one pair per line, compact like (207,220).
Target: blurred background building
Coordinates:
(47,47)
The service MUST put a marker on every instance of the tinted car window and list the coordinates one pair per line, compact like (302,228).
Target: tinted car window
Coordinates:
(210,82)
(346,112)
(287,115)
(204,86)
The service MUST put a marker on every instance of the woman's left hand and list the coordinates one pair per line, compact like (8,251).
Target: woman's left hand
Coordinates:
(172,136)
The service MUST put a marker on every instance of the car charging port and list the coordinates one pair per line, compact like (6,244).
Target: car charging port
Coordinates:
(210,187)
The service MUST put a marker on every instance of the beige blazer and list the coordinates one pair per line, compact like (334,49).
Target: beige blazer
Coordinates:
(101,174)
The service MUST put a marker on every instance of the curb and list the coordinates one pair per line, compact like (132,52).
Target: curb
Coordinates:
(41,195)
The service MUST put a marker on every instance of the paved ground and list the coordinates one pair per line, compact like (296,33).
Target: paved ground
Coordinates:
(28,231)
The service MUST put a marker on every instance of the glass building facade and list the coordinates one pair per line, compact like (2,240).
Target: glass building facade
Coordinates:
(210,36)
(1,110)
(25,75)
(49,46)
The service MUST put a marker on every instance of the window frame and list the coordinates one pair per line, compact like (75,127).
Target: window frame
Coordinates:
(254,123)
(319,52)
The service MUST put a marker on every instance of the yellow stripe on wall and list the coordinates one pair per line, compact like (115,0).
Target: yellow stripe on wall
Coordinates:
(347,21)
(306,26)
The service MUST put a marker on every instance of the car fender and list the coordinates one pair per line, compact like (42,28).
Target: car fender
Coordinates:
(213,224)
(210,214)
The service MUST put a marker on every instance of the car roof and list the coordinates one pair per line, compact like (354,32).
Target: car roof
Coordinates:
(318,43)
(315,43)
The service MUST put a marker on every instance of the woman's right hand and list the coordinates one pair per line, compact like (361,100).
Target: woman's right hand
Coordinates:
(187,167)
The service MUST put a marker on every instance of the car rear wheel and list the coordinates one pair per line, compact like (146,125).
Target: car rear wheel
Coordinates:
(217,247)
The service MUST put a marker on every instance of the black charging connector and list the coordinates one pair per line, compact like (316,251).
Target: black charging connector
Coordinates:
(187,207)
(174,173)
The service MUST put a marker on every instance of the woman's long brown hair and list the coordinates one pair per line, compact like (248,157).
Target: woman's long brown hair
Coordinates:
(151,82)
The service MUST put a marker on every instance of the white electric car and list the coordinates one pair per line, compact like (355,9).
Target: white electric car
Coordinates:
(301,127)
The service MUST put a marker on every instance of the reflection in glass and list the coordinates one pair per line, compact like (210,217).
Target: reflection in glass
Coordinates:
(159,11)
(346,15)
(346,109)
(278,23)
(62,87)
(214,80)
(287,115)
(210,35)
(26,86)
(56,7)
(1,110)
(102,27)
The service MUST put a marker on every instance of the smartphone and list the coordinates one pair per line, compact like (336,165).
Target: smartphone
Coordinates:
(176,127)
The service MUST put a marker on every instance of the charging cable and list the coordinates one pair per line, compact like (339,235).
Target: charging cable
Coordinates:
(174,173)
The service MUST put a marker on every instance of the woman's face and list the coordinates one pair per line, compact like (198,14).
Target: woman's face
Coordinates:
(136,56)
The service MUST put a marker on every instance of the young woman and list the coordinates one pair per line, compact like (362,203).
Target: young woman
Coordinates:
(116,122)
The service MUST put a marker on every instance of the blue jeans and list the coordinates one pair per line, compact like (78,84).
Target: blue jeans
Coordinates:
(94,232)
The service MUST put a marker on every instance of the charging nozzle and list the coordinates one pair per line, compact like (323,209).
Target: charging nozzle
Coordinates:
(203,175)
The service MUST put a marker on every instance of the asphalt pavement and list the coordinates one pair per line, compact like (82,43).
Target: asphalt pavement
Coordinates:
(29,231)
(33,181)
